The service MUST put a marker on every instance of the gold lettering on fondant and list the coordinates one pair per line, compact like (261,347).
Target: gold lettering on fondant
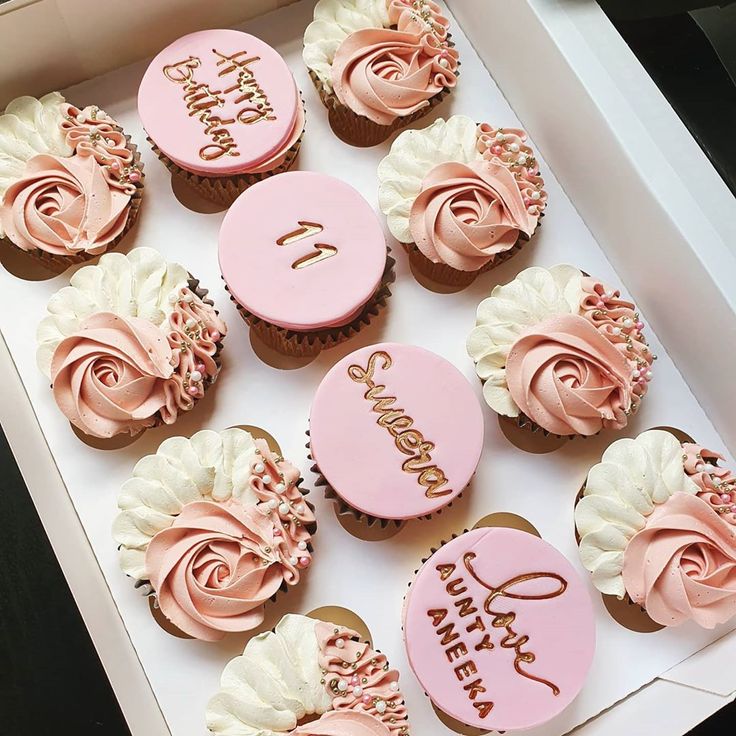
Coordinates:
(456,649)
(409,441)
(202,100)
(308,229)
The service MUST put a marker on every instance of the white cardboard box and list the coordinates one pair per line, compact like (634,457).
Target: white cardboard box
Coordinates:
(646,194)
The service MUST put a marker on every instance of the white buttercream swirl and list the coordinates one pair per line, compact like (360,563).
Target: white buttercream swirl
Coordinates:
(334,21)
(413,155)
(534,295)
(633,477)
(275,683)
(27,128)
(209,466)
(139,284)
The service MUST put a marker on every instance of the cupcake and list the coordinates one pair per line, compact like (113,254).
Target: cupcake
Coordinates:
(461,197)
(657,526)
(305,261)
(222,111)
(379,65)
(131,343)
(395,433)
(311,678)
(499,630)
(212,527)
(559,351)
(71,181)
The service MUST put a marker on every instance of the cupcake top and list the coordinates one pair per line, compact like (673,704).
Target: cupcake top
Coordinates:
(396,431)
(305,668)
(383,59)
(657,522)
(213,526)
(220,102)
(463,192)
(130,343)
(561,349)
(67,177)
(302,250)
(499,629)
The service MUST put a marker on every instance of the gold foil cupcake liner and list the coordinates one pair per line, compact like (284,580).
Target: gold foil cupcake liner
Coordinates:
(358,130)
(225,190)
(58,263)
(309,344)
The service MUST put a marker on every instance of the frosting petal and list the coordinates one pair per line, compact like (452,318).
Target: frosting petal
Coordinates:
(340,723)
(682,565)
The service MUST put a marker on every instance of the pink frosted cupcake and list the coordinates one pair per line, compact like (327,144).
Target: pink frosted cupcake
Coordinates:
(460,197)
(420,428)
(561,352)
(379,65)
(657,525)
(499,629)
(222,110)
(212,527)
(131,343)
(309,678)
(71,181)
(313,268)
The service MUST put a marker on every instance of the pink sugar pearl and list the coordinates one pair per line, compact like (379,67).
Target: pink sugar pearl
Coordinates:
(367,700)
(134,176)
(193,391)
(215,336)
(200,367)
(304,562)
(497,150)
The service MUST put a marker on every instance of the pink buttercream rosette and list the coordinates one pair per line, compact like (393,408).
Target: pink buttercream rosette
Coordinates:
(67,209)
(384,78)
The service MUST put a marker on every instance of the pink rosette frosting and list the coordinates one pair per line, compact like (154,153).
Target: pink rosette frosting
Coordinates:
(359,678)
(343,723)
(92,132)
(384,74)
(195,333)
(109,376)
(568,378)
(63,206)
(717,485)
(682,565)
(215,567)
(466,214)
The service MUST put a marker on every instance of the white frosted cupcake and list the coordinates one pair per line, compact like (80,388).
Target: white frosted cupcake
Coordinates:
(306,668)
(131,343)
(461,197)
(657,525)
(562,352)
(71,181)
(213,526)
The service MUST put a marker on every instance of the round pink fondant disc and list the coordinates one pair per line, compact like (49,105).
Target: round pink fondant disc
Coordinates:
(520,586)
(202,109)
(368,449)
(302,250)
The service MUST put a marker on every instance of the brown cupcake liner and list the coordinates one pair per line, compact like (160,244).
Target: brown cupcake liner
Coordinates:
(310,343)
(58,263)
(225,190)
(358,130)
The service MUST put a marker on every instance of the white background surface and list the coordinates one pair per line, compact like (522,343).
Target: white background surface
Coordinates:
(369,578)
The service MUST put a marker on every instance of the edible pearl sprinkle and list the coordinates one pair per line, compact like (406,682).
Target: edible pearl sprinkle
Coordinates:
(358,691)
(283,508)
(514,147)
(535,195)
(188,298)
(381,706)
(191,324)
(394,686)
(342,685)
(280,488)
(259,467)
(293,560)
(340,643)
(444,63)
(266,479)
(273,503)
(302,546)
(195,376)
